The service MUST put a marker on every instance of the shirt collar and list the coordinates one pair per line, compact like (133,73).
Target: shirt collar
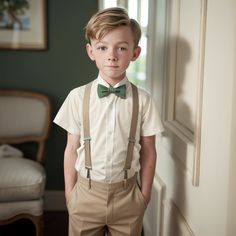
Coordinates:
(104,83)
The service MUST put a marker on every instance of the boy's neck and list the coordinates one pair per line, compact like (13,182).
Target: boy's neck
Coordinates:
(112,82)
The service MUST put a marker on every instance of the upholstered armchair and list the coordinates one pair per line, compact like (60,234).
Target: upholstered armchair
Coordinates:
(24,118)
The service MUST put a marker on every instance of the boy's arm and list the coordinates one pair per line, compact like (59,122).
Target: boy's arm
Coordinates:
(70,156)
(148,164)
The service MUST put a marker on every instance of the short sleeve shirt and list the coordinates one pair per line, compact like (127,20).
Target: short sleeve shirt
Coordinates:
(110,120)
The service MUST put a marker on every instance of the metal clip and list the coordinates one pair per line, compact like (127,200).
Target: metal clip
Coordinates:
(89,183)
(125,177)
(89,177)
(131,140)
(87,138)
(124,183)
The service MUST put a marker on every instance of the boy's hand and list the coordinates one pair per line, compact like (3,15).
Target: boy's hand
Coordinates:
(147,197)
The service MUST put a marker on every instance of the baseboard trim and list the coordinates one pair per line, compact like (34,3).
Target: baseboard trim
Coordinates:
(54,201)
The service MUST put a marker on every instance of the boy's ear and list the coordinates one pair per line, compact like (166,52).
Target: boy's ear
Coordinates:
(136,54)
(90,51)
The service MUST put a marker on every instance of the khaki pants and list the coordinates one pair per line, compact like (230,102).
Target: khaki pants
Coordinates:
(112,208)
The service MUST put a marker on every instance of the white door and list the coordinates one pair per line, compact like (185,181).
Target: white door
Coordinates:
(193,71)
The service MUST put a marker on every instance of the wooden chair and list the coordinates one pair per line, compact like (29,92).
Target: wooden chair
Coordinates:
(24,118)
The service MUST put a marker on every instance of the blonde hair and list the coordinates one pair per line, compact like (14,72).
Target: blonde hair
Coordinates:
(108,19)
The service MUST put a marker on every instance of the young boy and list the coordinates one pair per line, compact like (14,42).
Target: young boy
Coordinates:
(111,129)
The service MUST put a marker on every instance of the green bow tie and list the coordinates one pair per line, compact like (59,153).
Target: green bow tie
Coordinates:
(104,91)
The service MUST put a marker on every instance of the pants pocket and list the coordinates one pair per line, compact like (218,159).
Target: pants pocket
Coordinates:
(70,198)
(141,197)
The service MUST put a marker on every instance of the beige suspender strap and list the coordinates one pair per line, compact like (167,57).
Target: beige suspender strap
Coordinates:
(132,133)
(87,138)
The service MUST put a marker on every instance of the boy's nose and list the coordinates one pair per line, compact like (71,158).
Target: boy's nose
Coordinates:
(112,59)
(112,56)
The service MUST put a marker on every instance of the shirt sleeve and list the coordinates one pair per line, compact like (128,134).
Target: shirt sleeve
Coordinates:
(151,122)
(68,116)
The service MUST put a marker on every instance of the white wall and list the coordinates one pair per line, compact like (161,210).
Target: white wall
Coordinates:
(199,189)
(231,226)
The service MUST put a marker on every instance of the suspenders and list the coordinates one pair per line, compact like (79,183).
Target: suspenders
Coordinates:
(86,124)
(131,140)
(132,132)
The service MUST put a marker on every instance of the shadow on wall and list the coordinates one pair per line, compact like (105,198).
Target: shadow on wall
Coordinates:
(179,179)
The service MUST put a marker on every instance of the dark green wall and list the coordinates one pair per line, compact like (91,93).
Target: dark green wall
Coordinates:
(54,72)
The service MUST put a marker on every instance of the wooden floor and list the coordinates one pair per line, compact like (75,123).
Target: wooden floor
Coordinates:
(55,224)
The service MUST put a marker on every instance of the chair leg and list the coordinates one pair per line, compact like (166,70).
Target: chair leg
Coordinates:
(39,224)
(36,220)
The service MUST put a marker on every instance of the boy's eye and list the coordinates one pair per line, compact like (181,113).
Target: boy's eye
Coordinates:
(122,49)
(102,48)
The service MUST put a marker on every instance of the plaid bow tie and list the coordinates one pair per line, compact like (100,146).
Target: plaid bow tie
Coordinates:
(104,91)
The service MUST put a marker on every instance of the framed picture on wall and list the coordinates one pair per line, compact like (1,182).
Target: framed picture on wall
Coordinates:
(23,24)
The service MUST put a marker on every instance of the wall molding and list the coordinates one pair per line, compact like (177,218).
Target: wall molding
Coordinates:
(185,60)
(152,222)
(174,221)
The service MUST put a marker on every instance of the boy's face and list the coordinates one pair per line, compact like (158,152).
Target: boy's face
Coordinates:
(113,53)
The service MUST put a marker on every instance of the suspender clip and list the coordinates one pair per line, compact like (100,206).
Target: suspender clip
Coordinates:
(89,177)
(131,140)
(125,177)
(87,138)
(125,183)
